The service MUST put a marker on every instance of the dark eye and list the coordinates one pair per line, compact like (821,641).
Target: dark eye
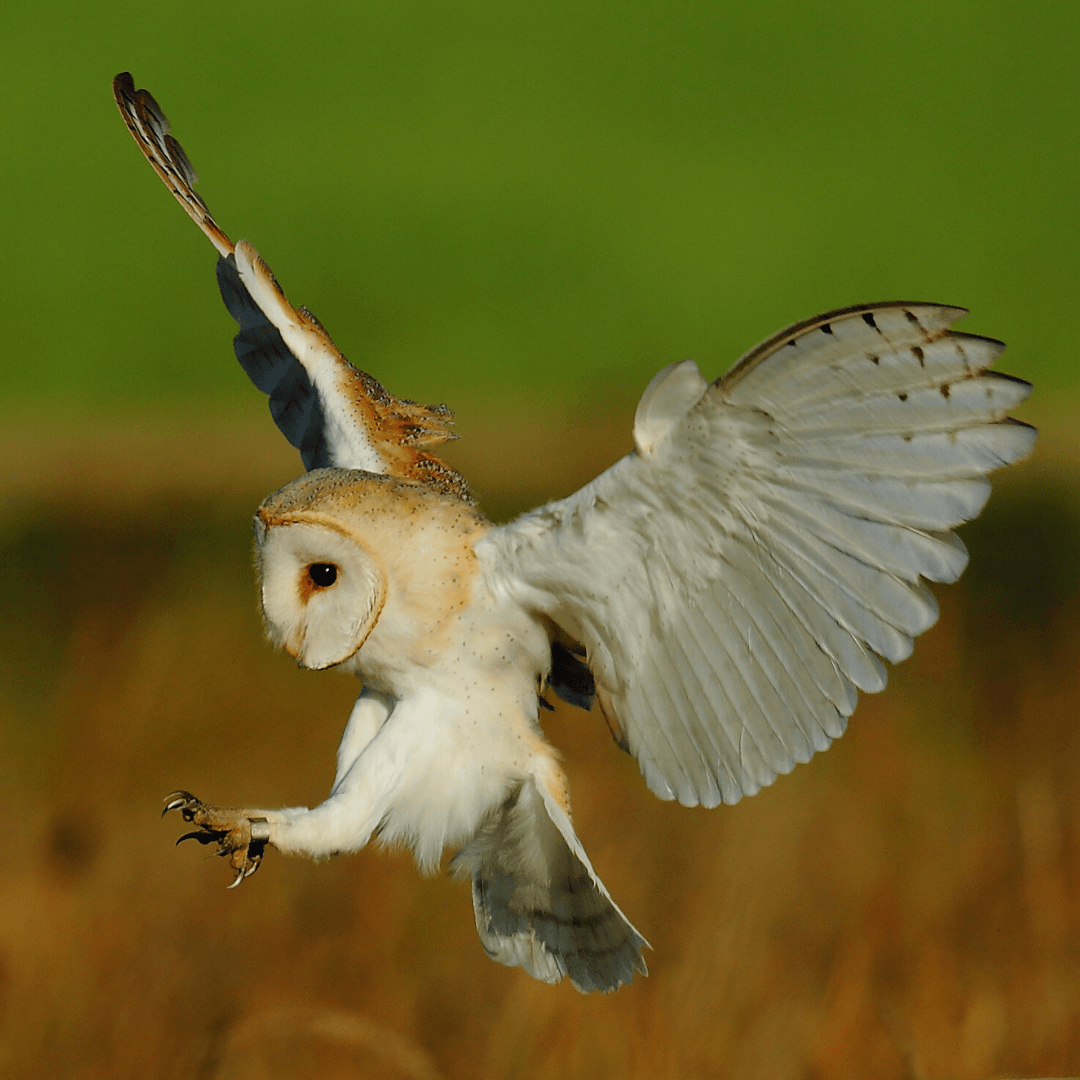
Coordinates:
(322,574)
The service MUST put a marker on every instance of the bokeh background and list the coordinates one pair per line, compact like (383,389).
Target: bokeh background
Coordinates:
(523,210)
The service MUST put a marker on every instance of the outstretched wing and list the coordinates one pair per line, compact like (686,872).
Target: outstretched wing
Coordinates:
(737,578)
(330,411)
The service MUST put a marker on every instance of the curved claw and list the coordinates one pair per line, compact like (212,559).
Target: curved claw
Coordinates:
(176,800)
(245,872)
(202,837)
(260,835)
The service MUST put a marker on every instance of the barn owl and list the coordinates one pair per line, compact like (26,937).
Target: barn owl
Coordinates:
(721,594)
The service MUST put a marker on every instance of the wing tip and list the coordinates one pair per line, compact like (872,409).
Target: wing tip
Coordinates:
(1025,436)
(150,129)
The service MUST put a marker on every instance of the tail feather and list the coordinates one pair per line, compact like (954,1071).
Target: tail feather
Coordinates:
(539,904)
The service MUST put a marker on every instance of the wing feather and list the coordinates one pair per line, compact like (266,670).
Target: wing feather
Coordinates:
(783,725)
(738,577)
(151,131)
(332,412)
(711,697)
(856,665)
(900,549)
(789,653)
(723,697)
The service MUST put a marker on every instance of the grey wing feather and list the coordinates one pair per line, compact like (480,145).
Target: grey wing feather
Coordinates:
(272,367)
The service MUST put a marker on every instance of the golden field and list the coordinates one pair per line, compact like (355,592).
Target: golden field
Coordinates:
(906,905)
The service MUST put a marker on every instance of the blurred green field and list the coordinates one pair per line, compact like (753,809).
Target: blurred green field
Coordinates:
(505,204)
(524,212)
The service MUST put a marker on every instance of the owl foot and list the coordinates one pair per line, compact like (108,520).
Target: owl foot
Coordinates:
(240,839)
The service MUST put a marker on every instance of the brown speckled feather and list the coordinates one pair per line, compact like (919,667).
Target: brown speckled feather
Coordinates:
(150,129)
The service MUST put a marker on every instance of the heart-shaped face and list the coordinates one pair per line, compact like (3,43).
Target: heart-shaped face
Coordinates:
(322,590)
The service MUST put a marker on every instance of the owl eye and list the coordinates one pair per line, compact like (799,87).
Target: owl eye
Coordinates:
(322,574)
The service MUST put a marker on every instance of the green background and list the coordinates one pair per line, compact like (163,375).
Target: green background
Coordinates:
(531,205)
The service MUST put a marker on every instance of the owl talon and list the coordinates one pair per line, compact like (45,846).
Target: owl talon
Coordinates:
(245,872)
(240,839)
(176,800)
(201,838)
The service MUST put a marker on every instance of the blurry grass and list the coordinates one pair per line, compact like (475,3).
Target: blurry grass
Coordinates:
(907,905)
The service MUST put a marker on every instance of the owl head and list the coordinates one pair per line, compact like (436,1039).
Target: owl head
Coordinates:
(339,549)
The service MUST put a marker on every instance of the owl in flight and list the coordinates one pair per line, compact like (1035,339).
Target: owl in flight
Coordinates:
(721,594)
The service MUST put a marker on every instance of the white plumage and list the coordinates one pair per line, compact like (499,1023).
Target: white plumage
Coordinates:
(723,592)
(737,578)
